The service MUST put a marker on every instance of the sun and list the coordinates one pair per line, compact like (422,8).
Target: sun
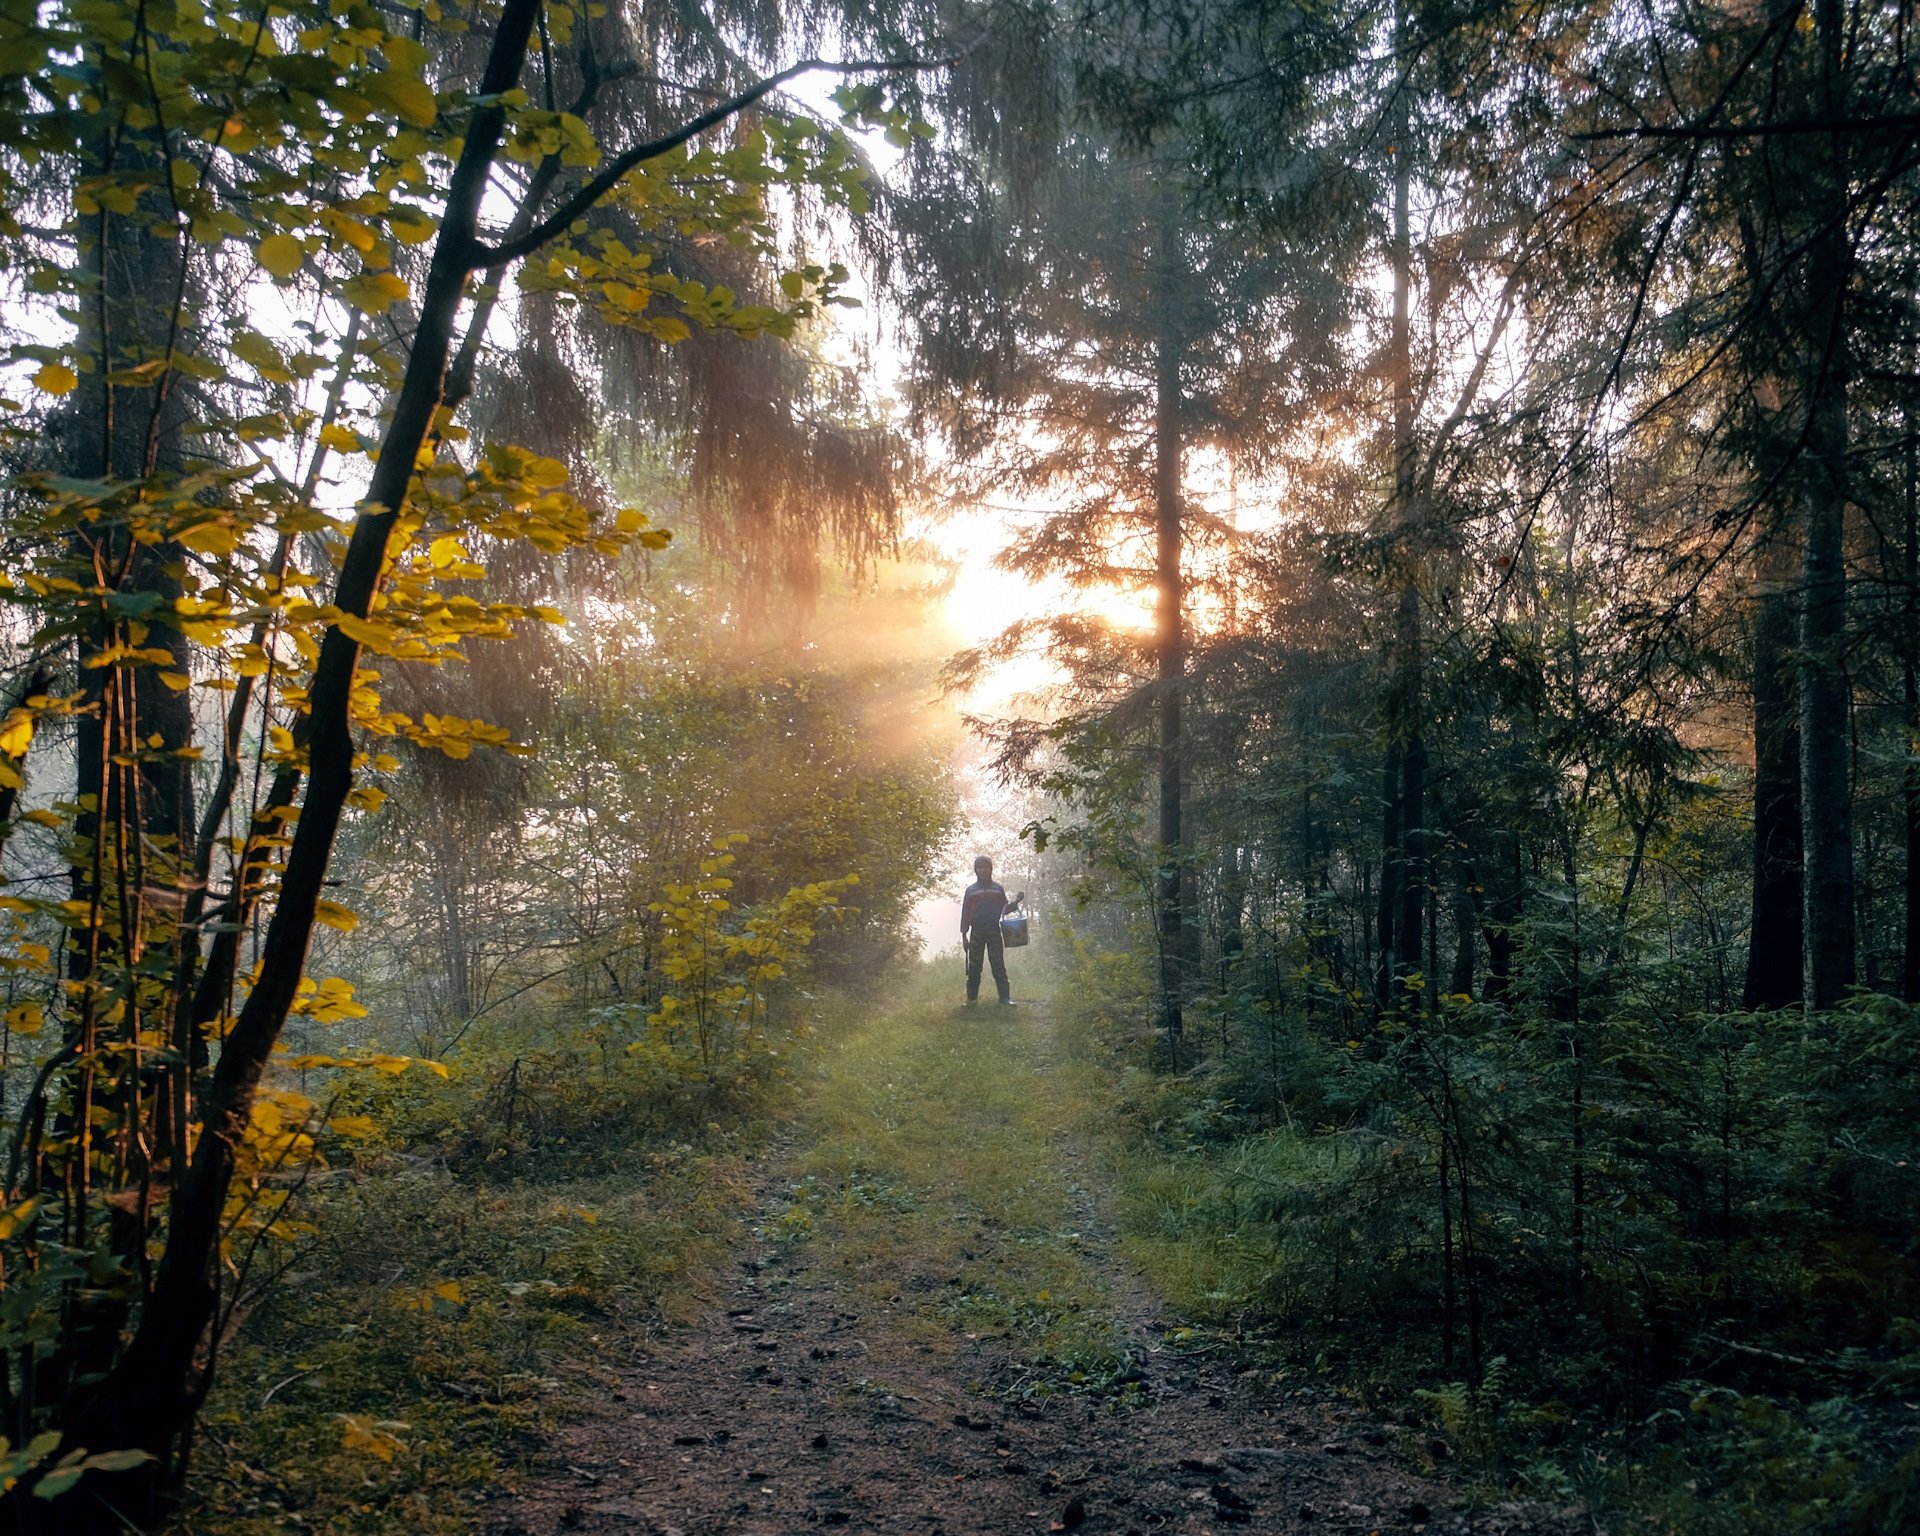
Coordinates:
(985,600)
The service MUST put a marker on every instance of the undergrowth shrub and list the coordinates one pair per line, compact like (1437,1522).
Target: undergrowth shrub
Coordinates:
(1666,1260)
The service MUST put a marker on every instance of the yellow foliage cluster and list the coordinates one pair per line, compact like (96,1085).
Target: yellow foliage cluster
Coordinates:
(721,971)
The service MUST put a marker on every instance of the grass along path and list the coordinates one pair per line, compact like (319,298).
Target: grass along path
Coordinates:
(929,1332)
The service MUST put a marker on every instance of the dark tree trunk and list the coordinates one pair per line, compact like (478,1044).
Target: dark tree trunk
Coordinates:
(1910,681)
(118,433)
(1773,950)
(1404,835)
(1826,810)
(1465,950)
(148,1399)
(1170,646)
(133,739)
(1413,781)
(1496,908)
(1392,871)
(1236,864)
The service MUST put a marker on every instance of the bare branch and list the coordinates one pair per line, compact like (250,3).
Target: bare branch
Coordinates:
(511,250)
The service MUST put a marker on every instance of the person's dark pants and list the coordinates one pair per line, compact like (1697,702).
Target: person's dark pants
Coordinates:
(984,944)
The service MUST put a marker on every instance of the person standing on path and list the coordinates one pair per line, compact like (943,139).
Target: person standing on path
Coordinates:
(980,912)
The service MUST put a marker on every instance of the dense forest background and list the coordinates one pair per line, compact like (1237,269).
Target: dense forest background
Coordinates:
(474,646)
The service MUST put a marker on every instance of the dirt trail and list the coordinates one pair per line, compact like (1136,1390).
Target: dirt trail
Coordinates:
(786,1410)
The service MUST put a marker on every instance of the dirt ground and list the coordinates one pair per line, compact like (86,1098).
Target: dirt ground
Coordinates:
(782,1411)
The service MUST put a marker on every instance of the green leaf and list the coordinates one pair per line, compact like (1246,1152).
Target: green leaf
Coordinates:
(118,1461)
(408,95)
(57,1481)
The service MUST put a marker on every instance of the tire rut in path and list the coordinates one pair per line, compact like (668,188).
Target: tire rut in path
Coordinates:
(783,1411)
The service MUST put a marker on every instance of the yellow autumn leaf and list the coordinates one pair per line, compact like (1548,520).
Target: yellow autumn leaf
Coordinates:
(13,1219)
(330,914)
(330,1001)
(210,539)
(264,357)
(282,255)
(340,439)
(545,473)
(25,1019)
(369,632)
(445,551)
(349,230)
(16,734)
(411,226)
(358,1127)
(56,379)
(374,292)
(375,1437)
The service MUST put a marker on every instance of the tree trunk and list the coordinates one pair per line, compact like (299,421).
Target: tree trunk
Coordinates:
(1465,948)
(1826,811)
(133,739)
(1170,645)
(147,1400)
(1503,910)
(1910,681)
(118,433)
(1236,865)
(1392,871)
(1774,947)
(1404,849)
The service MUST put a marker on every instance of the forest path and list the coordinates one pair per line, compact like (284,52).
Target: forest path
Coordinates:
(929,1331)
